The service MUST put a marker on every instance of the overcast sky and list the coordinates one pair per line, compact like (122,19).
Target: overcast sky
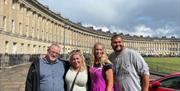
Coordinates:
(153,18)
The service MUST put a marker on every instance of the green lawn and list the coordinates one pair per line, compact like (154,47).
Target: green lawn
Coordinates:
(164,64)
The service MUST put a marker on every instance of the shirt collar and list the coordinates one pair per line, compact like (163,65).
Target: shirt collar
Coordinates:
(46,61)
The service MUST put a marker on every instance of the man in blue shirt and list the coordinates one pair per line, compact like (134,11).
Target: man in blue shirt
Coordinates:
(47,74)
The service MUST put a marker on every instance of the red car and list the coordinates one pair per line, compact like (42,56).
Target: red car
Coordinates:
(166,83)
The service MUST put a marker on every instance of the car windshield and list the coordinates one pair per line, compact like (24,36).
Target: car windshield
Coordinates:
(173,83)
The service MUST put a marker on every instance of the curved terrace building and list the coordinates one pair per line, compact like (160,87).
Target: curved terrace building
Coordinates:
(28,27)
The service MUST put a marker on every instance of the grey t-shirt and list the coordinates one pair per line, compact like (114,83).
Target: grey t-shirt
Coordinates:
(127,67)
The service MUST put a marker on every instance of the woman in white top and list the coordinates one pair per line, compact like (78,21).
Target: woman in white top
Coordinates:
(78,67)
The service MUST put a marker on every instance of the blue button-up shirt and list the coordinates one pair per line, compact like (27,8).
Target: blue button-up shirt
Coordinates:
(51,75)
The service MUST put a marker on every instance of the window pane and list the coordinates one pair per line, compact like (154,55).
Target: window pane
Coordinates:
(173,83)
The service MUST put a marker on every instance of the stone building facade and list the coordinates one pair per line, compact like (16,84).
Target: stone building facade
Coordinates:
(28,27)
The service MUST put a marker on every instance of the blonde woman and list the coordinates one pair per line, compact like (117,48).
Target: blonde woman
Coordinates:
(77,76)
(101,73)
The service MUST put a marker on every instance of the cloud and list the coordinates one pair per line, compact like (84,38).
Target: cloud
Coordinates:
(143,30)
(167,31)
(103,28)
(140,17)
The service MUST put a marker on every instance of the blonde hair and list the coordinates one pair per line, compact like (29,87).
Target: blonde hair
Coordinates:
(78,52)
(104,58)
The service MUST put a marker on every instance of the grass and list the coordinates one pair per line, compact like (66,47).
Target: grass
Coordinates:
(164,64)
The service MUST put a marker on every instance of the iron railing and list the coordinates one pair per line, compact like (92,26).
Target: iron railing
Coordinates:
(9,60)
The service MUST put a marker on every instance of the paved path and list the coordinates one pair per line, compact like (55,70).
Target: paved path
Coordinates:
(14,79)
